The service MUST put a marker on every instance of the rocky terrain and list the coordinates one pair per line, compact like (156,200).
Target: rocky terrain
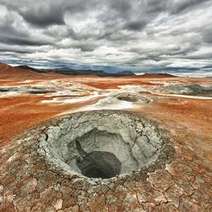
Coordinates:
(157,127)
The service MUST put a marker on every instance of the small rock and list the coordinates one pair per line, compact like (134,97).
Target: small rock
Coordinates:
(1,199)
(1,188)
(50,209)
(72,209)
(30,186)
(58,204)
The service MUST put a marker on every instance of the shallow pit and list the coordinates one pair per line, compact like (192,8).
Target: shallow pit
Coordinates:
(104,144)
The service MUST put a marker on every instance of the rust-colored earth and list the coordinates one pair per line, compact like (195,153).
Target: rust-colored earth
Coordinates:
(184,185)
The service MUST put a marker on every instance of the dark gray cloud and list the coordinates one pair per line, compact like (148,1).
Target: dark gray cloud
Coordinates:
(46,13)
(175,33)
(178,6)
(207,35)
(11,36)
(136,25)
(44,17)
(13,51)
(12,40)
(155,6)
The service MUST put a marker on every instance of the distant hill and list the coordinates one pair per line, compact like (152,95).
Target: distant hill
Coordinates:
(21,72)
(25,67)
(97,72)
(77,72)
(68,71)
(157,75)
(92,72)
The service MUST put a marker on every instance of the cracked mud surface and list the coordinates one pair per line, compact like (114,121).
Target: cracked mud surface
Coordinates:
(30,182)
(135,142)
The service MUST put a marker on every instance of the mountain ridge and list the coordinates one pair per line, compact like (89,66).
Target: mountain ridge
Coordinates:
(89,72)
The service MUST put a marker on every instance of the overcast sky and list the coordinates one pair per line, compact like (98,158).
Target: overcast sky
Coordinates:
(142,33)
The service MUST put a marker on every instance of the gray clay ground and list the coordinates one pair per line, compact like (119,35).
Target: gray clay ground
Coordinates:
(135,142)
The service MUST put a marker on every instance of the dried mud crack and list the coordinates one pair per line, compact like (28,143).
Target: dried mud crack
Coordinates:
(103,144)
(60,166)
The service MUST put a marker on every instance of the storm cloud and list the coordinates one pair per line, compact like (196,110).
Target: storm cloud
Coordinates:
(139,33)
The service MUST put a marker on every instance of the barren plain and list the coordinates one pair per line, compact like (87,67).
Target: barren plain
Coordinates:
(179,109)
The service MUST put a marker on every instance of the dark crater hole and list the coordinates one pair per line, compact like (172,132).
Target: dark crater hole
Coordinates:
(98,164)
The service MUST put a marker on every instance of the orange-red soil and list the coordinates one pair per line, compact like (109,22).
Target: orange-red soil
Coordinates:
(21,112)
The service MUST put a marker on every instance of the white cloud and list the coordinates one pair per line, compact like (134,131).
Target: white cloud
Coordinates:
(150,33)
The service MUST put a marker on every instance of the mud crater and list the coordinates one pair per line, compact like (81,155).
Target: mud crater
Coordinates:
(104,144)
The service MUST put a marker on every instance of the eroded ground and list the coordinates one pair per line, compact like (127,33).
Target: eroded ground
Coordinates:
(181,106)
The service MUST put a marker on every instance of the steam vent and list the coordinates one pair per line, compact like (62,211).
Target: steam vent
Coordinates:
(93,161)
